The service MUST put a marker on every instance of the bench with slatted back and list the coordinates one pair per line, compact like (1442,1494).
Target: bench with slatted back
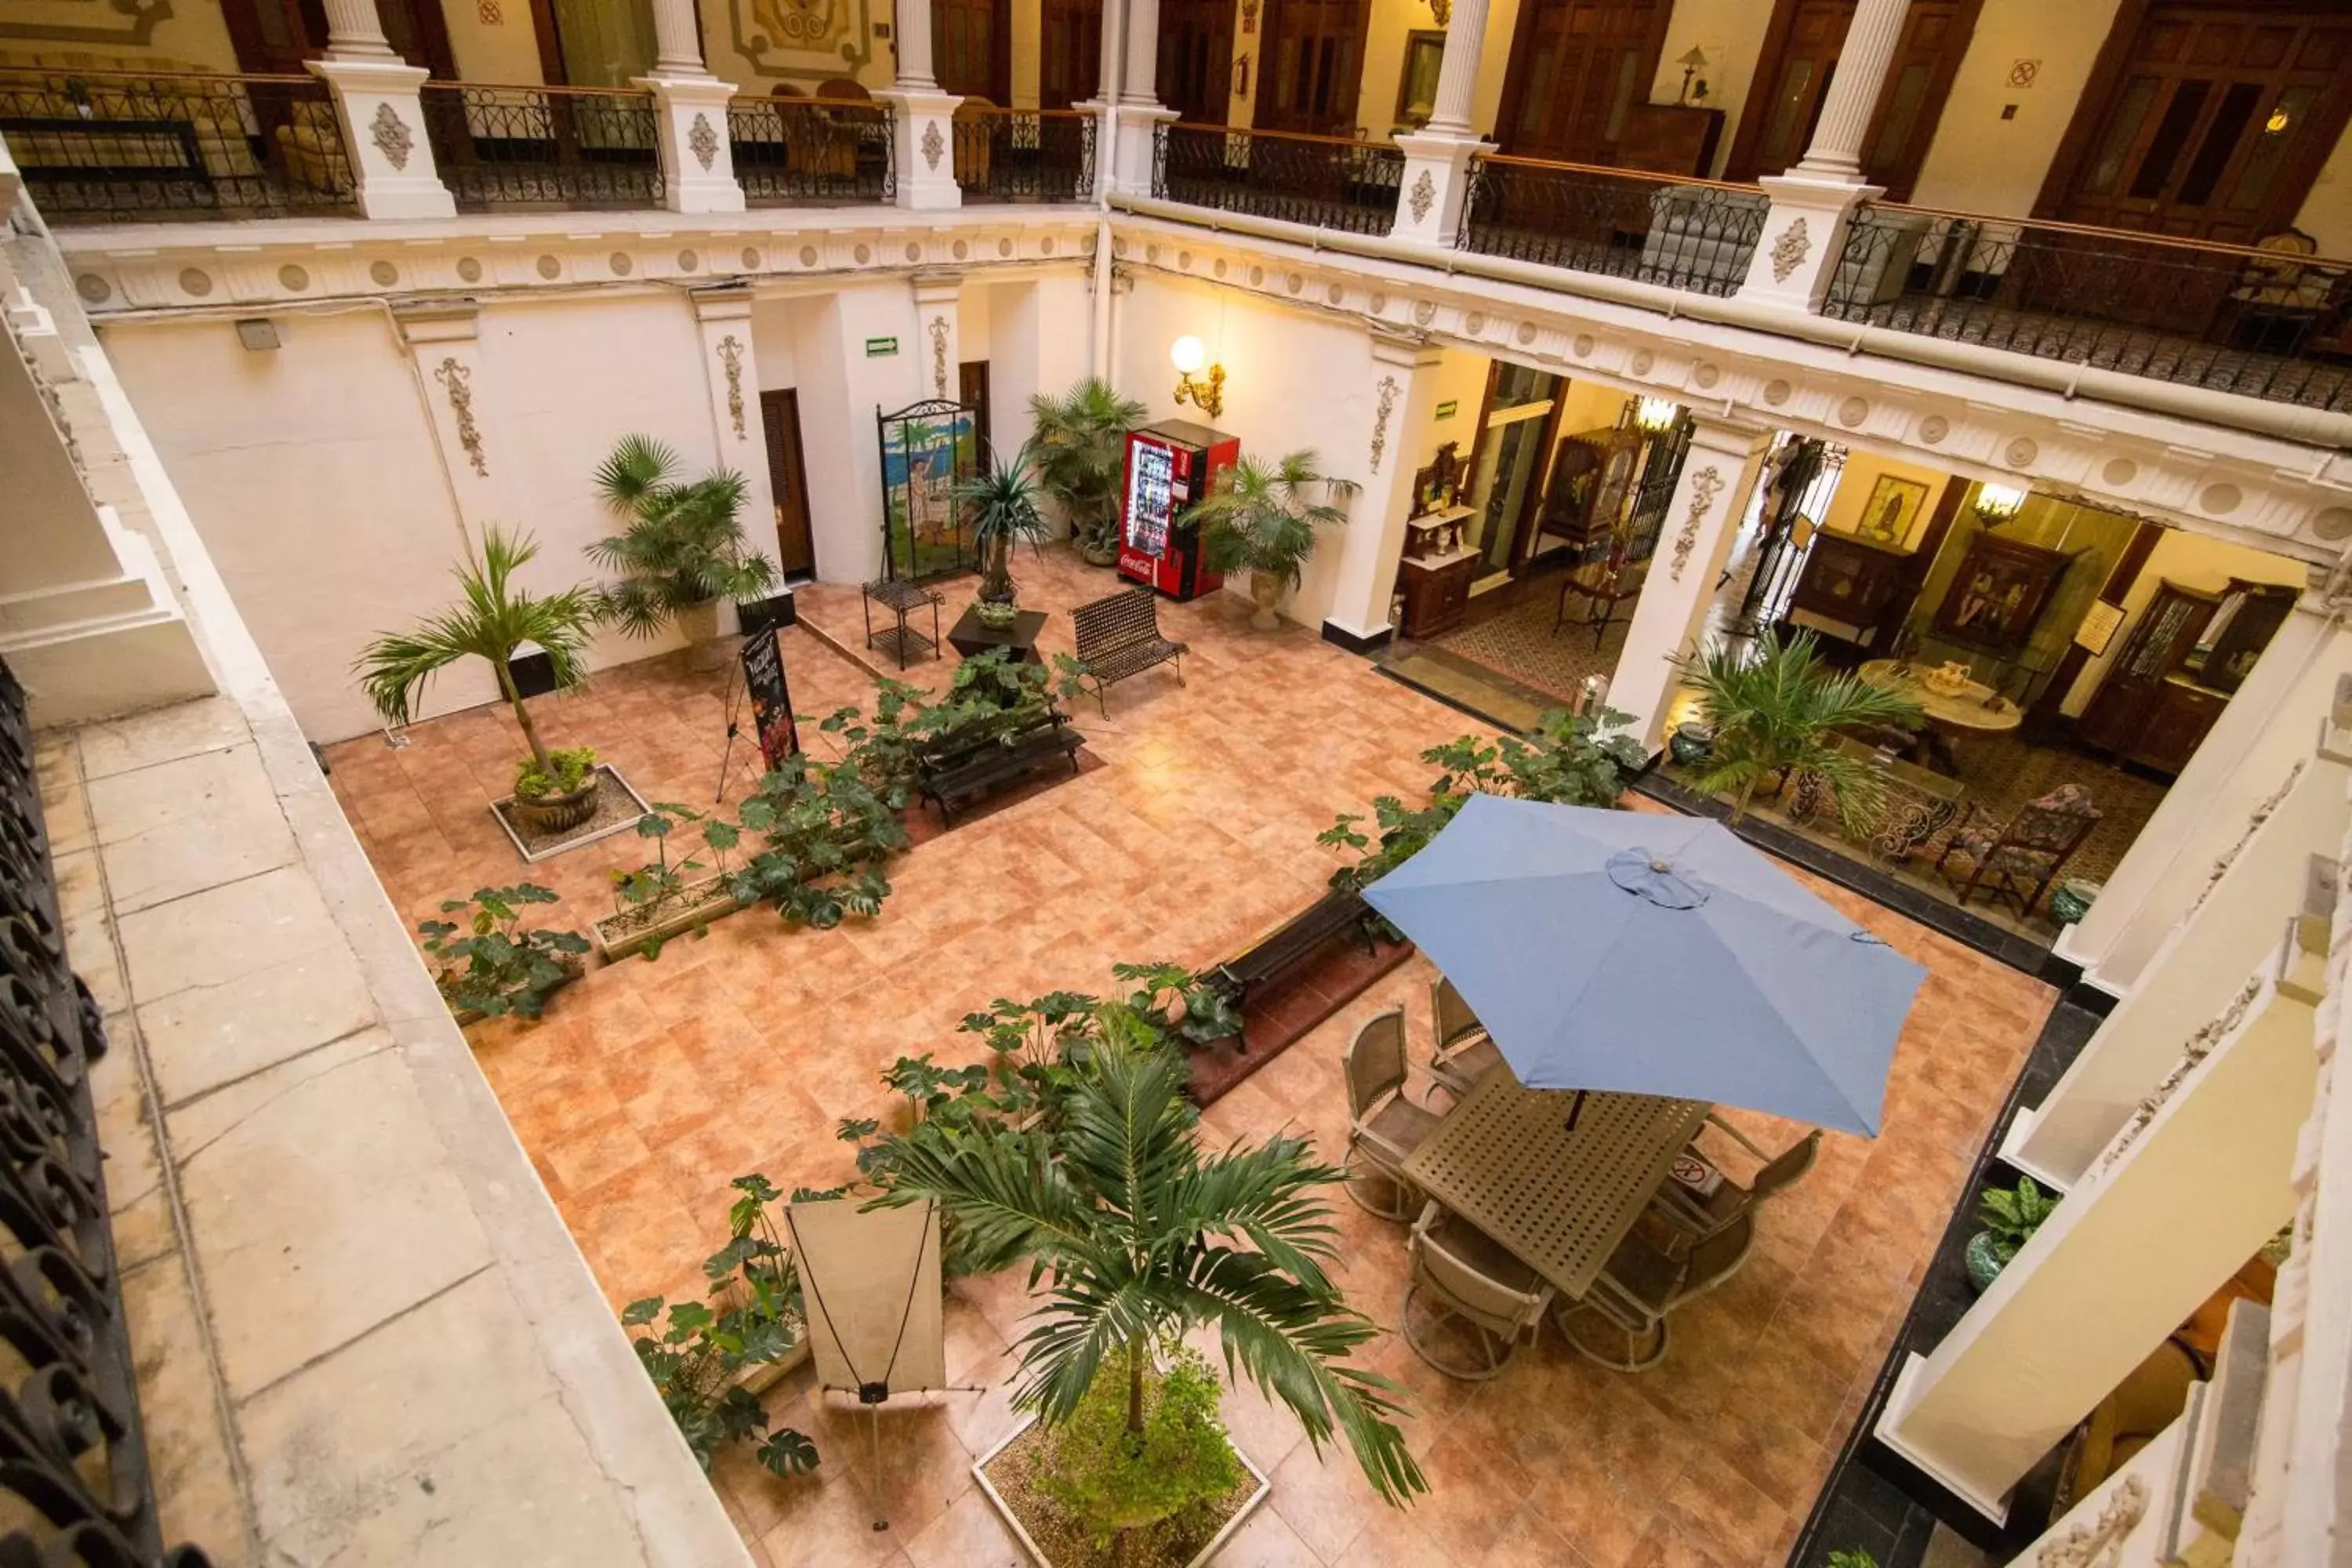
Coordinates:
(977,758)
(1119,636)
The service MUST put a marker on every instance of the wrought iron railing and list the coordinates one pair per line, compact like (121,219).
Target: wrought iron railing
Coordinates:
(2268,323)
(544,146)
(803,151)
(73,1454)
(1684,234)
(1325,181)
(1024,154)
(122,147)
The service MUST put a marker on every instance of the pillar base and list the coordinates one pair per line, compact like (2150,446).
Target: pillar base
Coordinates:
(1889,1431)
(1436,184)
(382,121)
(1804,240)
(698,159)
(1136,158)
(923,146)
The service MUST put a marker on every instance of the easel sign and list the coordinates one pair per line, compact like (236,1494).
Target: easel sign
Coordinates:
(772,700)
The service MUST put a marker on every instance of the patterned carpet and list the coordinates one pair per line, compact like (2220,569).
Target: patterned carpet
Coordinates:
(1509,631)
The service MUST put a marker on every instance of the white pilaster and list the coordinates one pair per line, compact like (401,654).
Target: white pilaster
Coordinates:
(1139,78)
(1702,520)
(1853,93)
(354,32)
(1436,182)
(443,340)
(696,156)
(1137,114)
(937,295)
(2175,1205)
(1404,390)
(383,123)
(722,319)
(923,145)
(1135,145)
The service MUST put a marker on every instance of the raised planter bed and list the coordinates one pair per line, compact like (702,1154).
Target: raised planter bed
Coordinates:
(628,933)
(1013,1451)
(619,807)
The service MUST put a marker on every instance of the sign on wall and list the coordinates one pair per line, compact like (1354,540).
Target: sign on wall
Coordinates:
(879,348)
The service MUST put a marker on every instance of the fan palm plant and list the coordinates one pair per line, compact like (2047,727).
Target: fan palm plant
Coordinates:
(495,620)
(683,548)
(1081,438)
(1775,709)
(1145,1237)
(1000,506)
(1263,516)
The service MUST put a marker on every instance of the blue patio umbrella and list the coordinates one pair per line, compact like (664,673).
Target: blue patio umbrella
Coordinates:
(1652,954)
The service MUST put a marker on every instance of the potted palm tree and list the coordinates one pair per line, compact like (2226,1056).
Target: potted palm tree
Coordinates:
(1264,518)
(555,791)
(1081,440)
(1000,506)
(1144,1238)
(1774,711)
(682,550)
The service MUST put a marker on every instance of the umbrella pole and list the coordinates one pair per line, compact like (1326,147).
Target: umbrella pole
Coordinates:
(1575,1109)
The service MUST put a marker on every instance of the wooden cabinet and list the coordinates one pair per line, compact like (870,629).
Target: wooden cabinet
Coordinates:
(1436,592)
(1848,585)
(2187,653)
(2176,725)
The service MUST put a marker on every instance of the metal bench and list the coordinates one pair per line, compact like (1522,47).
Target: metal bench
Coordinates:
(1118,636)
(977,758)
(1287,949)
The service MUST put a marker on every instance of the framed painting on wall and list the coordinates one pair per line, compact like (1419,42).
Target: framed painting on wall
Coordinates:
(1999,595)
(1894,506)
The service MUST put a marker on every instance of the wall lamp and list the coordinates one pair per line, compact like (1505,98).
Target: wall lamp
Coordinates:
(1655,415)
(1208,393)
(1998,503)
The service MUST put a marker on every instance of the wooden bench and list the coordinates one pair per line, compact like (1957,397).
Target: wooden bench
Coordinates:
(1118,636)
(1275,956)
(977,758)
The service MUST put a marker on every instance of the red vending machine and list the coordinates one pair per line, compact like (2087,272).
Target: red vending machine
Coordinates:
(1169,466)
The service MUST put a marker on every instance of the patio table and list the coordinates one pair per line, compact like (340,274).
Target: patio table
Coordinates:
(1559,1201)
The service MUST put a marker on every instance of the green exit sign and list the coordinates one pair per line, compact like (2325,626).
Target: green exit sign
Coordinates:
(880,348)
(1449,408)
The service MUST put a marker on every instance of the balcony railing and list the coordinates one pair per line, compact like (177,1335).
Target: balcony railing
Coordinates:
(2268,323)
(1324,181)
(73,1455)
(544,146)
(801,151)
(1684,234)
(1024,154)
(96,146)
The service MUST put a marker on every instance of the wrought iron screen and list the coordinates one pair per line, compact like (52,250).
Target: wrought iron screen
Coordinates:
(544,146)
(1669,232)
(790,150)
(928,448)
(1318,180)
(1024,155)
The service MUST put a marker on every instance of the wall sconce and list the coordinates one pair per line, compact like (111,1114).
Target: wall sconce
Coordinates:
(1998,503)
(1208,393)
(1441,12)
(1655,415)
(1692,64)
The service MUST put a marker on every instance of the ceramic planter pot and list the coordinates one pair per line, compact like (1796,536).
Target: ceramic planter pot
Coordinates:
(558,813)
(1984,1261)
(1690,745)
(700,624)
(1265,593)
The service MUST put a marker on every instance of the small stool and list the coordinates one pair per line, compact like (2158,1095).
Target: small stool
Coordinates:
(899,598)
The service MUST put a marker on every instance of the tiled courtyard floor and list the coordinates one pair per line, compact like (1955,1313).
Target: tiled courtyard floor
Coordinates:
(649,1085)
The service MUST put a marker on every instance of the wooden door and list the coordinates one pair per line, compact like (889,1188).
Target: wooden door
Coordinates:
(1800,51)
(2208,121)
(1196,58)
(273,37)
(1070,63)
(971,391)
(972,47)
(1577,68)
(1311,66)
(2127,700)
(779,417)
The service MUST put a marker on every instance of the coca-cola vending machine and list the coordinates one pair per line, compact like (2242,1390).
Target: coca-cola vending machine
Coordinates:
(1169,466)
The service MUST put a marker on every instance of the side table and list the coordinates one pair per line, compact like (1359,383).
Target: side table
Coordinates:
(899,598)
(972,637)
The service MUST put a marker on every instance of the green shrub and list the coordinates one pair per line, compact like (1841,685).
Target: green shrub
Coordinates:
(2013,1214)
(567,770)
(488,963)
(1109,1478)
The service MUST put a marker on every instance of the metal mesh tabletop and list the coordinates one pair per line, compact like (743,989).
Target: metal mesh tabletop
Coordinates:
(1559,1201)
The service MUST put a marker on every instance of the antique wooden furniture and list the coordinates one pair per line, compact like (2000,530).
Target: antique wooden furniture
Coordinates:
(2171,679)
(1438,568)
(1998,596)
(1384,1127)
(980,757)
(1473,1278)
(1559,1200)
(1849,585)
(1603,586)
(1436,590)
(1975,708)
(1119,636)
(1670,139)
(2020,859)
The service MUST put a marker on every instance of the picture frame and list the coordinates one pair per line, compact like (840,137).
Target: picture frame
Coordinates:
(1997,598)
(1439,485)
(1895,505)
(1425,52)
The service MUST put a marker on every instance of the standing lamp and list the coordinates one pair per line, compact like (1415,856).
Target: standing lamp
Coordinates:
(1207,394)
(1692,64)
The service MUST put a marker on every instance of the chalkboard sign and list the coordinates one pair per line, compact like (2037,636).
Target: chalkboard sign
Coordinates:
(771,700)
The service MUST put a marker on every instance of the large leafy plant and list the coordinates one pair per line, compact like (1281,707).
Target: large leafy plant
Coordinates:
(2011,1214)
(1774,711)
(683,541)
(1143,1237)
(494,621)
(1081,457)
(825,835)
(1263,516)
(488,963)
(1000,507)
(987,695)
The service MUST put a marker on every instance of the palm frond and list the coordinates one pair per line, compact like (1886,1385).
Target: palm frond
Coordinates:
(492,619)
(636,470)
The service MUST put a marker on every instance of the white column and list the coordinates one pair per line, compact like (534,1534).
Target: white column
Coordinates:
(1404,391)
(1137,107)
(1702,520)
(1438,158)
(383,123)
(2177,1205)
(722,319)
(354,32)
(923,118)
(1139,78)
(2228,931)
(1869,40)
(1457,69)
(677,39)
(913,38)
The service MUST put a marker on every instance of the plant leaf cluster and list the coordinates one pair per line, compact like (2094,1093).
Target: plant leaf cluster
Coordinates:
(682,543)
(488,963)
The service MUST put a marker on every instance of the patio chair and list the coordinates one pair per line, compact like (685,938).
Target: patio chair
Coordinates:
(1383,1127)
(1464,1052)
(1702,1207)
(2026,852)
(1474,1278)
(1641,1285)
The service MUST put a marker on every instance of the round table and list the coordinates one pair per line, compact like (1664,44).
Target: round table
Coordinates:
(1974,709)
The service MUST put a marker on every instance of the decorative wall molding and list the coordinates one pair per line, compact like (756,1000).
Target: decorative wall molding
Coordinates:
(458,379)
(2261,814)
(2099,1542)
(1789,251)
(933,145)
(731,354)
(1389,390)
(1703,487)
(2201,1045)
(702,139)
(1425,194)
(391,135)
(939,330)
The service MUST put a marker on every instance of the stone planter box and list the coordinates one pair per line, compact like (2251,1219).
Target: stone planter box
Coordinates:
(1206,1555)
(618,937)
(618,808)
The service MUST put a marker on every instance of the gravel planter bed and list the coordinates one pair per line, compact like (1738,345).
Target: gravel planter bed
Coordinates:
(628,933)
(617,809)
(1054,1541)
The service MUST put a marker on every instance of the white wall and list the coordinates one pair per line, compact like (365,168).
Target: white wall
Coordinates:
(1979,162)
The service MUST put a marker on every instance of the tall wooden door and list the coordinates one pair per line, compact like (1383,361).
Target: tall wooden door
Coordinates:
(1311,66)
(1196,58)
(1070,55)
(2206,121)
(273,37)
(2167,629)
(779,417)
(1577,66)
(972,47)
(1792,74)
(971,391)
